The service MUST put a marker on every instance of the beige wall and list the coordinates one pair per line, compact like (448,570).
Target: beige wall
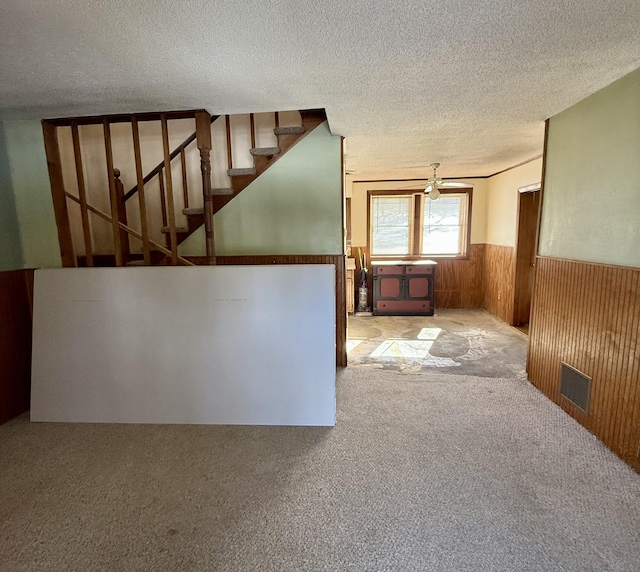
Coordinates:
(358,193)
(502,203)
(591,204)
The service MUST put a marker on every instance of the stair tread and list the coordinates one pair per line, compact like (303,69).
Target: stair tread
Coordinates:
(296,130)
(166,229)
(193,211)
(240,172)
(265,151)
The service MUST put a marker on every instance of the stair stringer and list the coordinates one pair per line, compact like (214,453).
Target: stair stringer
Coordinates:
(311,118)
(293,208)
(287,139)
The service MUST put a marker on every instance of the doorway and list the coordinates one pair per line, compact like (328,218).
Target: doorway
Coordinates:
(528,210)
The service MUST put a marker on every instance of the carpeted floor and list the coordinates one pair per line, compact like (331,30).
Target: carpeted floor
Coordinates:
(423,472)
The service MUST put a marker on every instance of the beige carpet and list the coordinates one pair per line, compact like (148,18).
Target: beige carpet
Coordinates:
(422,472)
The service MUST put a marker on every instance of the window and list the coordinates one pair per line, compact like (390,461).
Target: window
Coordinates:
(410,225)
(391,225)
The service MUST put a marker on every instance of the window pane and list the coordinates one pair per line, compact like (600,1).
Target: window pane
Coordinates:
(441,231)
(390,222)
(442,240)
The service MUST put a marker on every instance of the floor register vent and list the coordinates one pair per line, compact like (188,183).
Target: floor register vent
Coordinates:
(575,386)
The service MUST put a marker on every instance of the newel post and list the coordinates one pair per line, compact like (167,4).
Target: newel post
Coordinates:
(54,165)
(203,137)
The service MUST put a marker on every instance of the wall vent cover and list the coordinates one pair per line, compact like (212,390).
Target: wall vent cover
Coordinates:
(575,386)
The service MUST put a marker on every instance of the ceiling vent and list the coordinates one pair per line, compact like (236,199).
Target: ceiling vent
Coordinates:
(575,386)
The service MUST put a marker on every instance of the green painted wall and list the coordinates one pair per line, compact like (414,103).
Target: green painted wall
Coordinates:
(591,203)
(295,207)
(32,194)
(10,246)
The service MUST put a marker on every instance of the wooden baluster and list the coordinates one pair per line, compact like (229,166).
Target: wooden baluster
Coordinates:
(58,195)
(144,224)
(112,192)
(163,198)
(277,119)
(253,130)
(122,217)
(82,194)
(151,174)
(203,135)
(185,189)
(171,208)
(229,152)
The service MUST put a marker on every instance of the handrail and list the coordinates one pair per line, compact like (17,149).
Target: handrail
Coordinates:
(129,230)
(161,165)
(121,117)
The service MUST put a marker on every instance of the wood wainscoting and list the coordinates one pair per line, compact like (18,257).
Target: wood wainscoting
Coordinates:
(459,281)
(486,279)
(499,280)
(339,261)
(16,295)
(588,316)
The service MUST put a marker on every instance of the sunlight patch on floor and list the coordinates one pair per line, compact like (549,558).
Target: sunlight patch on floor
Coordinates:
(403,348)
(411,350)
(429,333)
(353,344)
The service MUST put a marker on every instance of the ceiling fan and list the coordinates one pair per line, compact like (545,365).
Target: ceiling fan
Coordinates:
(433,184)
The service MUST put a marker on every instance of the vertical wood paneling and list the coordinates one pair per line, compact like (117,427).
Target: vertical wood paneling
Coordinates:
(16,289)
(499,280)
(588,315)
(459,282)
(341,287)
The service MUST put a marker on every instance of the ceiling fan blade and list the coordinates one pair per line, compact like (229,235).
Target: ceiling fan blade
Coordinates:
(429,188)
(416,185)
(453,184)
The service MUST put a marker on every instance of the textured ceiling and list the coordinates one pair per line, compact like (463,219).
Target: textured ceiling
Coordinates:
(408,82)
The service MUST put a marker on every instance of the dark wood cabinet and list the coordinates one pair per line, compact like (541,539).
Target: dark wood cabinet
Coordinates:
(403,288)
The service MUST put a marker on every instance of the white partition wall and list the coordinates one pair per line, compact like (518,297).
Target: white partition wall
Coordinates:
(248,345)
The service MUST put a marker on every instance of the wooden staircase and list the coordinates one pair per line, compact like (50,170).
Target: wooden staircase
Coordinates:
(263,158)
(174,234)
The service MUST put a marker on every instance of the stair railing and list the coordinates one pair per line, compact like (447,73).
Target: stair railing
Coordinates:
(117,217)
(214,199)
(157,170)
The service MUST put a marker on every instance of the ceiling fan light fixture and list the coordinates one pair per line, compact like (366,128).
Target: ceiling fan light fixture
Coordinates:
(432,188)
